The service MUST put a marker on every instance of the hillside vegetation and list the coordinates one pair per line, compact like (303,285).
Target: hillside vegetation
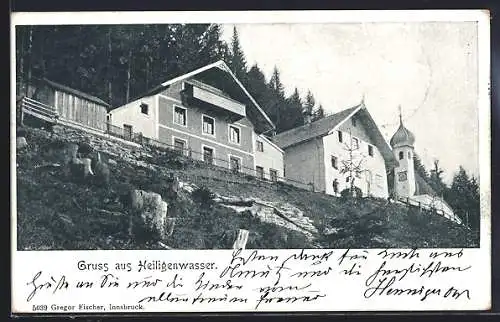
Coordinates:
(56,212)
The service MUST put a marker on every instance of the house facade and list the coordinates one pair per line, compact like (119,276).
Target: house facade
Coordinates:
(71,105)
(208,115)
(338,150)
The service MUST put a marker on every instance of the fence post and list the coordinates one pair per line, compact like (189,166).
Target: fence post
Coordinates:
(241,239)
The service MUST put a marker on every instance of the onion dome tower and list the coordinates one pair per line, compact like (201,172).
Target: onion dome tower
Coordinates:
(402,143)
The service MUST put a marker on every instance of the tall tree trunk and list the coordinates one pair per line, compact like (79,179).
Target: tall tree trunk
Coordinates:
(128,73)
(110,78)
(20,77)
(30,59)
(147,72)
(80,49)
(42,55)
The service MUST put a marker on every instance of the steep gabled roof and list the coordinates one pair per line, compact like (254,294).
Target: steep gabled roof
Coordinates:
(217,71)
(329,124)
(310,131)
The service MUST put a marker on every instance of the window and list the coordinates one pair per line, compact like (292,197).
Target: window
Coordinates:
(353,121)
(340,136)
(234,134)
(347,179)
(144,108)
(334,162)
(401,155)
(274,175)
(179,146)
(355,143)
(208,155)
(402,176)
(335,186)
(260,172)
(208,125)
(234,163)
(260,146)
(127,131)
(409,155)
(179,115)
(370,150)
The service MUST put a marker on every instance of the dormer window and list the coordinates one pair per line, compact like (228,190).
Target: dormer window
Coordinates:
(144,108)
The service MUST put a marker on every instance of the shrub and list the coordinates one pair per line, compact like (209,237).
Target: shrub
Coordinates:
(204,197)
(346,193)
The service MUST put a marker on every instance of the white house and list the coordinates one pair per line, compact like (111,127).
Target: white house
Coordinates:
(318,152)
(209,115)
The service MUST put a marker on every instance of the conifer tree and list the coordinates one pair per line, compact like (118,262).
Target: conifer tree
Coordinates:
(276,99)
(318,113)
(309,103)
(237,61)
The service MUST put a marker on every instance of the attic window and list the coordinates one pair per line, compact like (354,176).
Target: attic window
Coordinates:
(144,108)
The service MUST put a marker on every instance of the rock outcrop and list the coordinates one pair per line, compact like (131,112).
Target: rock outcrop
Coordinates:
(148,213)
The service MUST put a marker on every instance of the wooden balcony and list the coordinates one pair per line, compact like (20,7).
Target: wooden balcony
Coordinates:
(198,92)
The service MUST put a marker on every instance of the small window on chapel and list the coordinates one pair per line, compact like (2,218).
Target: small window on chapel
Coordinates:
(401,155)
(144,108)
(370,150)
(334,162)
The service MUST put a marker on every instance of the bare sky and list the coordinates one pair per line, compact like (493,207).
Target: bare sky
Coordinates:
(429,68)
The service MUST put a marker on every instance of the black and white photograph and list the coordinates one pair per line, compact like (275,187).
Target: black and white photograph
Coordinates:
(256,136)
(250,161)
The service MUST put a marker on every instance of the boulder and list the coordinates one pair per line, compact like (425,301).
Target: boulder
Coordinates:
(80,168)
(148,213)
(101,170)
(21,143)
(85,149)
(70,152)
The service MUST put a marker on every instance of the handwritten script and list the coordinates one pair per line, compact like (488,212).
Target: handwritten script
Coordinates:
(258,279)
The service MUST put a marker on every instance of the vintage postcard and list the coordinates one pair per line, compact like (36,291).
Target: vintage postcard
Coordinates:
(263,161)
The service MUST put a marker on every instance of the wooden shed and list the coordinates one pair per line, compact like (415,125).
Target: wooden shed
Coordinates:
(72,105)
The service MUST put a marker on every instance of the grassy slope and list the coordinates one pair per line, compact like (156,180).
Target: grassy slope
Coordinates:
(56,213)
